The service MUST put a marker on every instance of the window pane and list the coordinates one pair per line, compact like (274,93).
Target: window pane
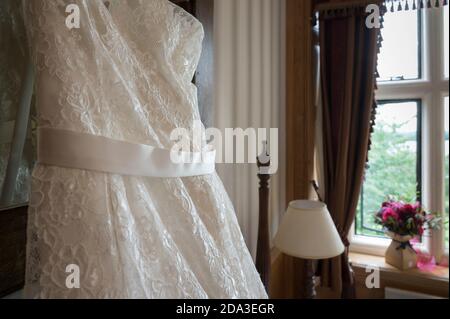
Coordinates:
(393,162)
(446,9)
(446,171)
(399,55)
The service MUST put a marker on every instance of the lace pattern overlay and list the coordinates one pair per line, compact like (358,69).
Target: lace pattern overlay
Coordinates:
(126,74)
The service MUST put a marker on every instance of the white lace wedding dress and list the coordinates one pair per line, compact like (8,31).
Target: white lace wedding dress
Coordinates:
(126,74)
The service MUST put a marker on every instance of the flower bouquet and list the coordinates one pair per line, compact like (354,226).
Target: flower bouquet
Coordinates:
(402,222)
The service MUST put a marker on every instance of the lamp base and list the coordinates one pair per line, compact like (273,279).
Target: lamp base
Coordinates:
(310,280)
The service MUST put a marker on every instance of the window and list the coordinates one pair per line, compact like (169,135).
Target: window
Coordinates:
(446,35)
(399,58)
(446,188)
(410,147)
(395,161)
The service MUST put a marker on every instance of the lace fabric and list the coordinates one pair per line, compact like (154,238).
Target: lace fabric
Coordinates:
(126,74)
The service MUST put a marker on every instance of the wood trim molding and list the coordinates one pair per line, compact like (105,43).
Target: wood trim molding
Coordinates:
(300,110)
(13,226)
(320,5)
(287,272)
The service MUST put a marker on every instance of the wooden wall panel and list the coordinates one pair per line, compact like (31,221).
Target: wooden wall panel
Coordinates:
(287,274)
(300,111)
(13,225)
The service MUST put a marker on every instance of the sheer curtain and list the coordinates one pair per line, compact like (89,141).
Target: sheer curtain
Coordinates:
(17,145)
(249,83)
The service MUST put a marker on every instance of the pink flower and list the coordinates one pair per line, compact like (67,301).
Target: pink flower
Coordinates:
(403,218)
(406,211)
(417,207)
(387,213)
(386,204)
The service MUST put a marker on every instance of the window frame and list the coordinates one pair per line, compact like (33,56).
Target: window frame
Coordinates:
(419,164)
(420,38)
(431,89)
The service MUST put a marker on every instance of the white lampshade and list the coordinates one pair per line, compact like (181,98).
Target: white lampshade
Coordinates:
(307,231)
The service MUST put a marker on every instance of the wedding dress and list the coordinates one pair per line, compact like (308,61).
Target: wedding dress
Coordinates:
(126,74)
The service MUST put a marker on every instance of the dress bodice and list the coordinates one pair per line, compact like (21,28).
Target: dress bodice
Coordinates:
(125,73)
(173,35)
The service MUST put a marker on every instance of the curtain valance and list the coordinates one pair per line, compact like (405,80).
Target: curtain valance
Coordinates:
(354,7)
(406,5)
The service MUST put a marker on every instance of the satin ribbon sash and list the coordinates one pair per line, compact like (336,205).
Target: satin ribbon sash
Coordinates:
(69,149)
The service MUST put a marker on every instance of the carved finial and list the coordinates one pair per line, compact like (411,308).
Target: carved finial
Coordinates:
(263,160)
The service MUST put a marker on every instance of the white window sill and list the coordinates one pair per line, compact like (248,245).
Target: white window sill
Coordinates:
(363,261)
(433,282)
(375,246)
(369,245)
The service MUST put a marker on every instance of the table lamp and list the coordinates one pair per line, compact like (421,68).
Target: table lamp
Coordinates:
(307,231)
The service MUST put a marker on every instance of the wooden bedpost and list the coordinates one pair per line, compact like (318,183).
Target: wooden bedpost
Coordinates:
(263,248)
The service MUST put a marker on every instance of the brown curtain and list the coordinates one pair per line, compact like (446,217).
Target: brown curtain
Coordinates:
(348,70)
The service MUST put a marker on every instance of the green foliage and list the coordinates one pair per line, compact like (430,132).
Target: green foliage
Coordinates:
(446,229)
(392,173)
